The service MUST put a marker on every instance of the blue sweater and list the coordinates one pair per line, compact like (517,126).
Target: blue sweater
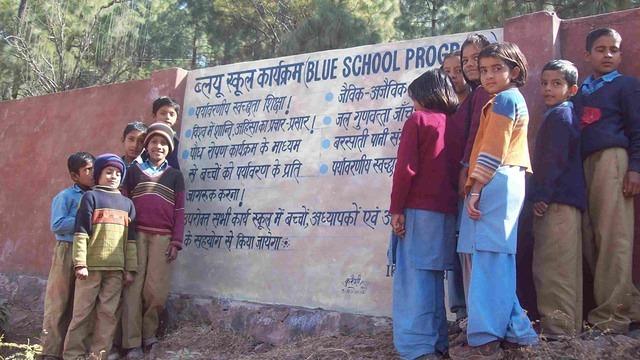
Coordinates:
(63,212)
(609,112)
(557,165)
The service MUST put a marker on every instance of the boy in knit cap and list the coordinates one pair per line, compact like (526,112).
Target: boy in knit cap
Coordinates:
(165,110)
(104,258)
(157,190)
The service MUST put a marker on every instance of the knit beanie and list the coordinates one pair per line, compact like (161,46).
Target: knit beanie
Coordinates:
(105,160)
(160,128)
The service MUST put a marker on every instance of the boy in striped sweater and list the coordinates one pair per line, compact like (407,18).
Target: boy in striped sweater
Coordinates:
(104,258)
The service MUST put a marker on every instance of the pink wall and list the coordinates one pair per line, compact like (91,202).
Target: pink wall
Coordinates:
(37,135)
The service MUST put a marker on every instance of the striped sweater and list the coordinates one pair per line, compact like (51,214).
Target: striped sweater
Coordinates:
(102,240)
(501,138)
(159,201)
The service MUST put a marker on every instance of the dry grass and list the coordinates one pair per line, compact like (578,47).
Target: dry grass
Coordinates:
(197,341)
(203,342)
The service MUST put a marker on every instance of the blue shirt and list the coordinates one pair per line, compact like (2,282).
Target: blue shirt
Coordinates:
(64,207)
(590,85)
(148,168)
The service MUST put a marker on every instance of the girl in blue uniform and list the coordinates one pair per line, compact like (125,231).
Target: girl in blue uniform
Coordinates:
(423,208)
(494,196)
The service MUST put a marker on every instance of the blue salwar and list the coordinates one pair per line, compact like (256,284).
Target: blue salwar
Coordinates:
(421,257)
(455,283)
(493,308)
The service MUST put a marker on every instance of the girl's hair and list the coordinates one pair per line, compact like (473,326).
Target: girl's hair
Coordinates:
(453,54)
(479,41)
(511,55)
(132,126)
(433,90)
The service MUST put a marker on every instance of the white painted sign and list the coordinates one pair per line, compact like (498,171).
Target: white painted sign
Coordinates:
(288,165)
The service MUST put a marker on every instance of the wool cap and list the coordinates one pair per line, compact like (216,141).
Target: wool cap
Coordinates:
(160,128)
(105,160)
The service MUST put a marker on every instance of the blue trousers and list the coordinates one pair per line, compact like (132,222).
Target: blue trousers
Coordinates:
(455,287)
(493,307)
(455,283)
(421,257)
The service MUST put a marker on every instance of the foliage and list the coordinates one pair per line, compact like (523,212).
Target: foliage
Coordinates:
(55,45)
(184,354)
(434,17)
(4,315)
(19,351)
(332,26)
(64,45)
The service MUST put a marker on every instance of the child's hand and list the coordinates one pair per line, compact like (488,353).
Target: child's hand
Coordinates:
(397,224)
(472,206)
(82,273)
(540,207)
(631,184)
(128,278)
(171,253)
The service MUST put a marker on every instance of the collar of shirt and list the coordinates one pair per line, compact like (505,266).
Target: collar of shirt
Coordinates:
(150,169)
(77,188)
(562,104)
(590,85)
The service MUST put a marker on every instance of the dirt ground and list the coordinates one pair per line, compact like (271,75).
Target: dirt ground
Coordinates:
(203,342)
(197,341)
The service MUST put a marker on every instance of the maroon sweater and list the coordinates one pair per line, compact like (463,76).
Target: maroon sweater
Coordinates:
(159,201)
(479,98)
(424,177)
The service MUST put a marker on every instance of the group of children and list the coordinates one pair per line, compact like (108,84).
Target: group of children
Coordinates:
(460,168)
(118,229)
(469,162)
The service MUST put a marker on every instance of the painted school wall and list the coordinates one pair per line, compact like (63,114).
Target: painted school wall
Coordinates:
(37,134)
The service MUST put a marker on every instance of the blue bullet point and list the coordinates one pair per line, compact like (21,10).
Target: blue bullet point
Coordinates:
(192,111)
(326,120)
(326,143)
(323,169)
(328,96)
(185,154)
(188,133)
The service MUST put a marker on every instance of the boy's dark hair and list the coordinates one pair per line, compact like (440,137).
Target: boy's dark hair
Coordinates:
(598,33)
(133,126)
(433,90)
(78,160)
(478,40)
(566,68)
(511,55)
(164,101)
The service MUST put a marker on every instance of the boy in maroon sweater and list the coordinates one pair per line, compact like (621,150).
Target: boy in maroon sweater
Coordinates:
(157,191)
